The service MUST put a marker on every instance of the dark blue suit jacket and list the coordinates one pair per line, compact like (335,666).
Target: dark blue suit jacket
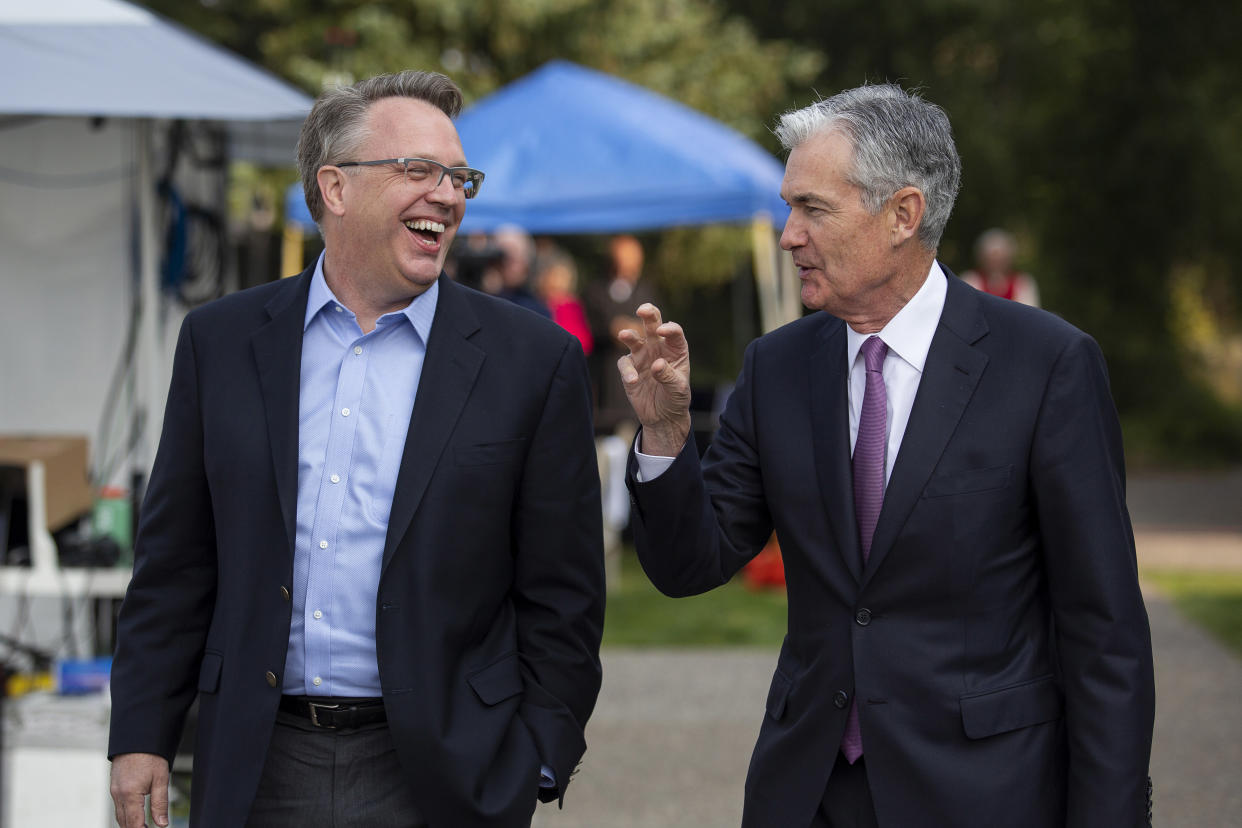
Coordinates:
(996,641)
(490,604)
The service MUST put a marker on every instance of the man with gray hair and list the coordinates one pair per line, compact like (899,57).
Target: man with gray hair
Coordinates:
(967,644)
(371,542)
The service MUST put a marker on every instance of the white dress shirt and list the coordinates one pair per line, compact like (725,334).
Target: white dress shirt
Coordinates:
(908,336)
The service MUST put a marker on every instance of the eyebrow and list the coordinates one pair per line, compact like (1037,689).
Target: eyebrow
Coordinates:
(808,199)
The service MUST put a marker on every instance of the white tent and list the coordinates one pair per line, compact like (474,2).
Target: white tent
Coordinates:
(91,90)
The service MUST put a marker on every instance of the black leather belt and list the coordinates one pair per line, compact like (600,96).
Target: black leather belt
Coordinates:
(331,714)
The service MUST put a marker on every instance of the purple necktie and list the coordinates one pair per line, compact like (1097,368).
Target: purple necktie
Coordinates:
(869,458)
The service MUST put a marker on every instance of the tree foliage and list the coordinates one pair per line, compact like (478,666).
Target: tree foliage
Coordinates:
(1104,133)
(690,50)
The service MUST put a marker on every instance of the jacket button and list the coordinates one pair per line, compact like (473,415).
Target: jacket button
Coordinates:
(863,617)
(271,679)
(284,592)
(840,699)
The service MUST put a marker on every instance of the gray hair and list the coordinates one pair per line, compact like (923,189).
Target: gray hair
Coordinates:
(336,125)
(899,140)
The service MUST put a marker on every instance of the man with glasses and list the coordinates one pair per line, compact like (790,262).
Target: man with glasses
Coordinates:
(371,541)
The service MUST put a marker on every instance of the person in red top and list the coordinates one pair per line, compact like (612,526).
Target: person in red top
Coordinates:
(556,285)
(995,273)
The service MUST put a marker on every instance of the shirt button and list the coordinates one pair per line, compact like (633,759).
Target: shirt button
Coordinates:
(338,309)
(318,614)
(840,699)
(323,544)
(271,678)
(336,478)
(357,349)
(344,412)
(863,617)
(316,681)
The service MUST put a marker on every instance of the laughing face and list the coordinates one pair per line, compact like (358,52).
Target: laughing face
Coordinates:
(392,233)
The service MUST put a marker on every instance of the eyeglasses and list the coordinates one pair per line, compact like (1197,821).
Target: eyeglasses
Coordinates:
(421,169)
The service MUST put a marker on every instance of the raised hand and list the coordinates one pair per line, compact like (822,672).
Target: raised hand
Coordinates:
(656,376)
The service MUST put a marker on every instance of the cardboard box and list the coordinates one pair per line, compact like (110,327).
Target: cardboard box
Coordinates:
(65,464)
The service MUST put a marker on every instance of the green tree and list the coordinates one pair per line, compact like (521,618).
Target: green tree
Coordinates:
(1103,132)
(690,50)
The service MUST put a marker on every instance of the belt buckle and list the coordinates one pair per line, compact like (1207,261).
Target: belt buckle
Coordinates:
(314,716)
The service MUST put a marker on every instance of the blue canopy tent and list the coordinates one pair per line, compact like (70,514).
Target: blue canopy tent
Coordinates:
(568,149)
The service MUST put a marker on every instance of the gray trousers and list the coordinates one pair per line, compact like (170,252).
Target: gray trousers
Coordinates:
(316,778)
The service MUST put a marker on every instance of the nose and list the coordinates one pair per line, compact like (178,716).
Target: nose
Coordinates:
(793,235)
(444,192)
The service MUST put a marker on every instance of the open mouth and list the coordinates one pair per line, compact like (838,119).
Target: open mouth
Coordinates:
(428,232)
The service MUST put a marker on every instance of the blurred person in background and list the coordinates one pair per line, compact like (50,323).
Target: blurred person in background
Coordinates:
(518,251)
(994,272)
(556,282)
(967,643)
(371,541)
(610,307)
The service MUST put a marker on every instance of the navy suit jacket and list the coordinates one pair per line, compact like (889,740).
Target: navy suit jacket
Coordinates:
(996,642)
(490,604)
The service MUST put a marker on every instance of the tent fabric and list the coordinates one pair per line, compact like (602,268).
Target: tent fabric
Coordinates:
(571,150)
(88,85)
(109,58)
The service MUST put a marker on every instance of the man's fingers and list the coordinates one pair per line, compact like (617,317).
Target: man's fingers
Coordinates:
(664,373)
(631,339)
(673,337)
(159,801)
(629,374)
(650,315)
(130,812)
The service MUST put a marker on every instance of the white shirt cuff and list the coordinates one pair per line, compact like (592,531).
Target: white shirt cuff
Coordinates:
(650,466)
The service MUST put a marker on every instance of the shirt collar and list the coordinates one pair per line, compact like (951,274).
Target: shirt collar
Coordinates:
(421,310)
(909,333)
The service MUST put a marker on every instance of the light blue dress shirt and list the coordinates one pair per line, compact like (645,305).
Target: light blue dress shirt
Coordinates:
(357,392)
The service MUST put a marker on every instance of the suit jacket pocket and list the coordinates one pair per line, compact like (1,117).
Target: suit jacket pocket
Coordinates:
(498,681)
(968,482)
(1010,708)
(778,695)
(487,454)
(209,672)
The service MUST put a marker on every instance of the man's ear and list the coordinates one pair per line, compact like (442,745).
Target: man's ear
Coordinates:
(332,182)
(906,209)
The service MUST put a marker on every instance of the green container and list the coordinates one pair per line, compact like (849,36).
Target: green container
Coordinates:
(112,517)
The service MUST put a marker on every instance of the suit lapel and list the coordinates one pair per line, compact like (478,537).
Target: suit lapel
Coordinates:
(277,350)
(450,368)
(830,420)
(950,375)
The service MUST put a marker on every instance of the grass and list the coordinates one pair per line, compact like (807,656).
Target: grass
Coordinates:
(1213,600)
(732,615)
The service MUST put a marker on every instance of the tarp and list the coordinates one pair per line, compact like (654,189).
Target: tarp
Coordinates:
(571,150)
(89,86)
(109,58)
